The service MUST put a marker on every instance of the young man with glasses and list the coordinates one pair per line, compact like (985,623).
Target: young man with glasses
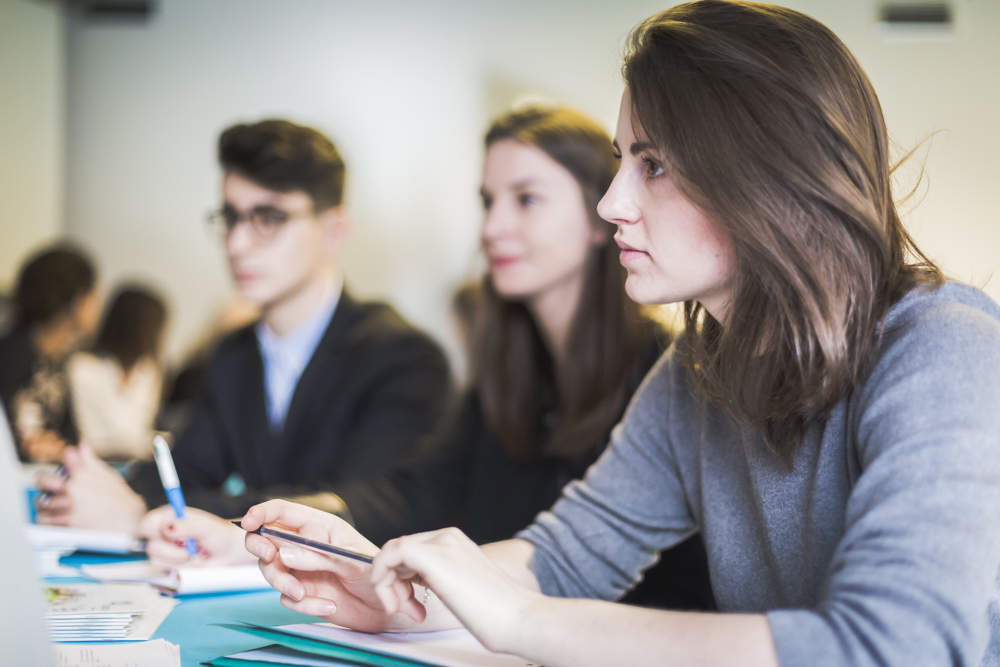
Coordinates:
(323,389)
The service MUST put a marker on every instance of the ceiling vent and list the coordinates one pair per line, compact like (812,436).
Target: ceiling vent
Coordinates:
(917,21)
(938,14)
(114,11)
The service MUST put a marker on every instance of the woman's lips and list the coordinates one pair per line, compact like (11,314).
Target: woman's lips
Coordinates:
(628,253)
(498,262)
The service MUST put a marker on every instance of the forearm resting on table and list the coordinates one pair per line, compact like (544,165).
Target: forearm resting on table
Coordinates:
(513,557)
(576,633)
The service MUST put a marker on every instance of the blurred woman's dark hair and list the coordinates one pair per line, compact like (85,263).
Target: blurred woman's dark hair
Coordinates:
(512,368)
(282,156)
(50,282)
(132,327)
(767,123)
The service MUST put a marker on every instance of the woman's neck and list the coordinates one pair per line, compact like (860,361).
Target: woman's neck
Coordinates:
(554,310)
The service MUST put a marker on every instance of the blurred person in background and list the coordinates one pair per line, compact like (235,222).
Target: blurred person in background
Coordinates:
(557,349)
(56,309)
(322,389)
(115,386)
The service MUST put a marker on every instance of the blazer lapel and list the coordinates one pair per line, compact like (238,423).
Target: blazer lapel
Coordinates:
(304,411)
(261,443)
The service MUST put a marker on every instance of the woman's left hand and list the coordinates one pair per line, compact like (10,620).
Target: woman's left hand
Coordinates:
(488,602)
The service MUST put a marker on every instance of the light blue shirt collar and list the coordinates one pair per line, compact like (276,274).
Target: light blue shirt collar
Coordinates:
(286,357)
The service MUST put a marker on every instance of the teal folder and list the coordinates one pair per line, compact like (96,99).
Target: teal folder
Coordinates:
(348,654)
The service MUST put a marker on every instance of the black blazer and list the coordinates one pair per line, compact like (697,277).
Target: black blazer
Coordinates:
(463,477)
(373,387)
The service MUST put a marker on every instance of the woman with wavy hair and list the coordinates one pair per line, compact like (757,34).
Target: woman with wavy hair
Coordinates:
(828,419)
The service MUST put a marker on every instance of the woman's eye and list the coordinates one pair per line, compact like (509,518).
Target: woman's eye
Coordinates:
(525,200)
(652,168)
(487,202)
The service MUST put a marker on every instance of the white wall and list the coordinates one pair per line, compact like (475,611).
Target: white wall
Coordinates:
(32,115)
(406,90)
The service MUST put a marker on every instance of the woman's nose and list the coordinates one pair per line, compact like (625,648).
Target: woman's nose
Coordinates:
(618,206)
(497,221)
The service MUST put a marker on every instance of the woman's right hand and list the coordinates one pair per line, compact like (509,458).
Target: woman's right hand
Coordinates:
(219,542)
(336,589)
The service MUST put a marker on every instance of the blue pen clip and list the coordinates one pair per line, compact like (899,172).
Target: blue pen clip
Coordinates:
(172,485)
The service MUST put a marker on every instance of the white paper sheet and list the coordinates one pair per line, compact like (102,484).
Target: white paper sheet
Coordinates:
(77,538)
(184,580)
(47,565)
(156,653)
(280,655)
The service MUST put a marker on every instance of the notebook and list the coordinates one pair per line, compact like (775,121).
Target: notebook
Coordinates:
(183,580)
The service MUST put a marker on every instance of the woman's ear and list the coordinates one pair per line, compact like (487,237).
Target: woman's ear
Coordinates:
(336,224)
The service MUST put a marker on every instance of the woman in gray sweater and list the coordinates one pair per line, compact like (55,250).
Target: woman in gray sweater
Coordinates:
(828,421)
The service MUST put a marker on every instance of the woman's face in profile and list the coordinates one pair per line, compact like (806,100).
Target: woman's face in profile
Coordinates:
(537,232)
(670,248)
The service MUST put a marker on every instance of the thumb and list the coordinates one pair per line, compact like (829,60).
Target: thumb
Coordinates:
(86,452)
(72,459)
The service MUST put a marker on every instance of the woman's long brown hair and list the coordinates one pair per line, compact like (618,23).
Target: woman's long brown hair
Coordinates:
(512,369)
(768,124)
(132,326)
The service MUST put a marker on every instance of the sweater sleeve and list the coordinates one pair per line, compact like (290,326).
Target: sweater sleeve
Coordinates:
(913,579)
(608,528)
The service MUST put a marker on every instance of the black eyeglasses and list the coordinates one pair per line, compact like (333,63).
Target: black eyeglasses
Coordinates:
(265,220)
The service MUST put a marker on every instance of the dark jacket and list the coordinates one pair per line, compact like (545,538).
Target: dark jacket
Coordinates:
(372,389)
(465,478)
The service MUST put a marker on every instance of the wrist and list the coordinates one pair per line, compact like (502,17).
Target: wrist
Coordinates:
(521,614)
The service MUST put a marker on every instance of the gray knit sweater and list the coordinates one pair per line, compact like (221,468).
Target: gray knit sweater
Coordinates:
(880,547)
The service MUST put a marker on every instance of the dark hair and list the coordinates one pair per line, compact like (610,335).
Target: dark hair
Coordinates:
(512,368)
(50,282)
(132,326)
(285,157)
(768,124)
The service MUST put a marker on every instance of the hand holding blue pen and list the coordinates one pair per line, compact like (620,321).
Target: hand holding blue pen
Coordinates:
(172,485)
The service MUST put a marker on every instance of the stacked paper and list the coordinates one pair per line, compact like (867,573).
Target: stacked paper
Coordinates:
(103,612)
(47,563)
(72,539)
(50,543)
(183,580)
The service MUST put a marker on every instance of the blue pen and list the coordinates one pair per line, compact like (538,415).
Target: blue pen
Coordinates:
(168,475)
(46,496)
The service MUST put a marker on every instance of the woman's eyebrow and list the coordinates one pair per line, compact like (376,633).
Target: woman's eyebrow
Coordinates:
(640,146)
